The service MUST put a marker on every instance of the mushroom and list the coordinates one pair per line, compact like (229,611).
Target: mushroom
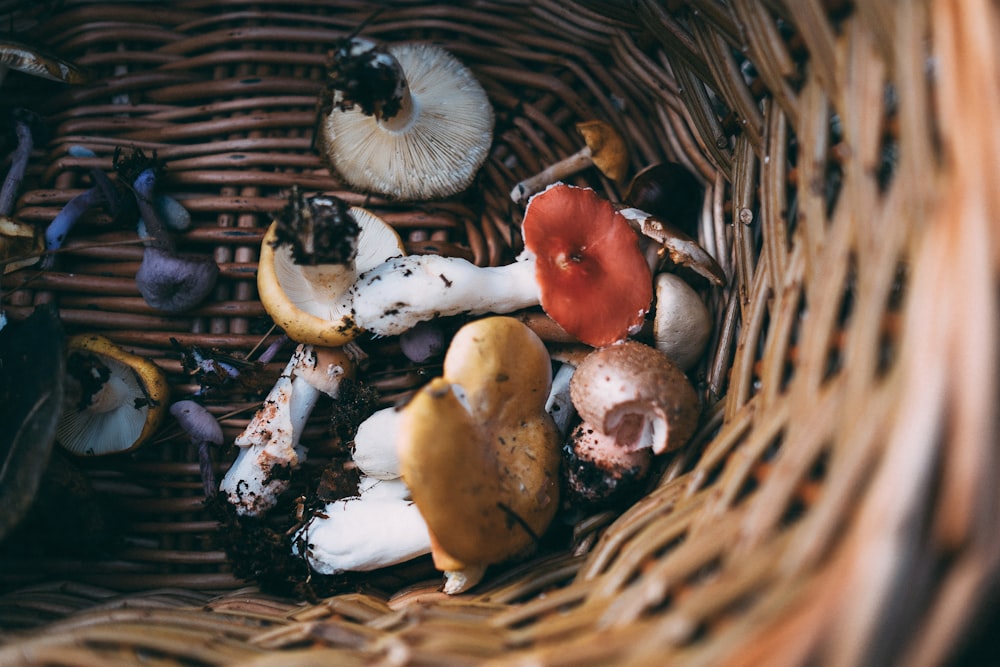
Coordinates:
(20,242)
(29,59)
(582,261)
(670,192)
(308,298)
(604,149)
(673,246)
(168,280)
(479,452)
(423,342)
(375,452)
(117,399)
(26,125)
(377,528)
(269,445)
(681,321)
(408,121)
(634,403)
(203,430)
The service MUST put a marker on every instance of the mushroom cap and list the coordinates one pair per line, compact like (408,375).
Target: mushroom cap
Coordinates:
(437,153)
(477,449)
(593,276)
(310,303)
(175,283)
(597,471)
(123,398)
(197,422)
(635,393)
(681,321)
(20,244)
(607,148)
(35,61)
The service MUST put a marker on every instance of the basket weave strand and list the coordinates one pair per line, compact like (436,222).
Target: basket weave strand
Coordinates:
(838,504)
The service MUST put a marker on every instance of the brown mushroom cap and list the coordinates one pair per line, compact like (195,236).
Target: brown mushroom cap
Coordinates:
(634,392)
(477,448)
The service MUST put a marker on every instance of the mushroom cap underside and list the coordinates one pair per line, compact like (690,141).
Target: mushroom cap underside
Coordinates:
(437,154)
(123,398)
(310,303)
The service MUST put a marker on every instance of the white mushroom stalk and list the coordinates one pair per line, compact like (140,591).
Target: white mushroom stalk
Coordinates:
(269,446)
(392,297)
(378,527)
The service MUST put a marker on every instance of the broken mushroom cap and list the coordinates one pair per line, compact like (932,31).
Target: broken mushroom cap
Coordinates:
(604,149)
(597,471)
(477,449)
(118,398)
(591,271)
(635,393)
(30,59)
(310,302)
(20,244)
(681,321)
(424,135)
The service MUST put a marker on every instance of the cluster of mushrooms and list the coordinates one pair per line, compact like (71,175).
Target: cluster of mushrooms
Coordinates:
(476,465)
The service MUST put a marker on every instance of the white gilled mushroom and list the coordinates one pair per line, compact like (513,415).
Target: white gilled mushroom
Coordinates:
(119,399)
(269,446)
(681,321)
(604,149)
(303,282)
(583,262)
(408,121)
(634,402)
(377,528)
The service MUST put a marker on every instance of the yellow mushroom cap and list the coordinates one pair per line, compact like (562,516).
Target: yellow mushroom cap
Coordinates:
(122,398)
(310,303)
(477,449)
(607,148)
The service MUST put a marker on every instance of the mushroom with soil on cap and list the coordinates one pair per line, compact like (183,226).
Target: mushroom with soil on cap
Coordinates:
(117,399)
(479,452)
(310,256)
(582,262)
(604,149)
(633,402)
(269,445)
(407,121)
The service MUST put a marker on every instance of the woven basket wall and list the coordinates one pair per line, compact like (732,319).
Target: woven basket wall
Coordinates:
(839,504)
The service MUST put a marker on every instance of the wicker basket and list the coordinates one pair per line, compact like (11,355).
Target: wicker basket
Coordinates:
(838,504)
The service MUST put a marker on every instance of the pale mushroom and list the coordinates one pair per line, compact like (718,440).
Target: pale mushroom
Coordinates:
(479,452)
(117,399)
(681,321)
(309,298)
(408,121)
(269,445)
(605,149)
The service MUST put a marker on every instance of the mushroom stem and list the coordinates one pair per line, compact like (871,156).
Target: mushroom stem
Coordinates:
(402,291)
(19,163)
(69,215)
(270,443)
(557,171)
(144,186)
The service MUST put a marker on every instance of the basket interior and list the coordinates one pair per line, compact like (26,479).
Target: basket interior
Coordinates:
(833,504)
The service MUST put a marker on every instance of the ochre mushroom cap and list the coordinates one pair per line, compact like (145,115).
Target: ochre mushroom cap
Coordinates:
(634,392)
(607,148)
(310,303)
(123,398)
(432,148)
(592,274)
(477,449)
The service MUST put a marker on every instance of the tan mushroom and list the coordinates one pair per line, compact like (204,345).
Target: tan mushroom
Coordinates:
(681,321)
(118,398)
(604,149)
(478,451)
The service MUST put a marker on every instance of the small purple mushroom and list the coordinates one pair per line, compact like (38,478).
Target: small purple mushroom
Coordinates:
(424,341)
(25,123)
(203,430)
(167,280)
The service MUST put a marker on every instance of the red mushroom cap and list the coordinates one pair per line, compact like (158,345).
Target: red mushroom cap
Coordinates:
(592,274)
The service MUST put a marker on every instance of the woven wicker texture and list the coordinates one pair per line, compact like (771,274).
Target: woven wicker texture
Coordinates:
(838,504)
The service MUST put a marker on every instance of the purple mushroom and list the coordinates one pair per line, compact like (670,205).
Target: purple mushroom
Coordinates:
(204,431)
